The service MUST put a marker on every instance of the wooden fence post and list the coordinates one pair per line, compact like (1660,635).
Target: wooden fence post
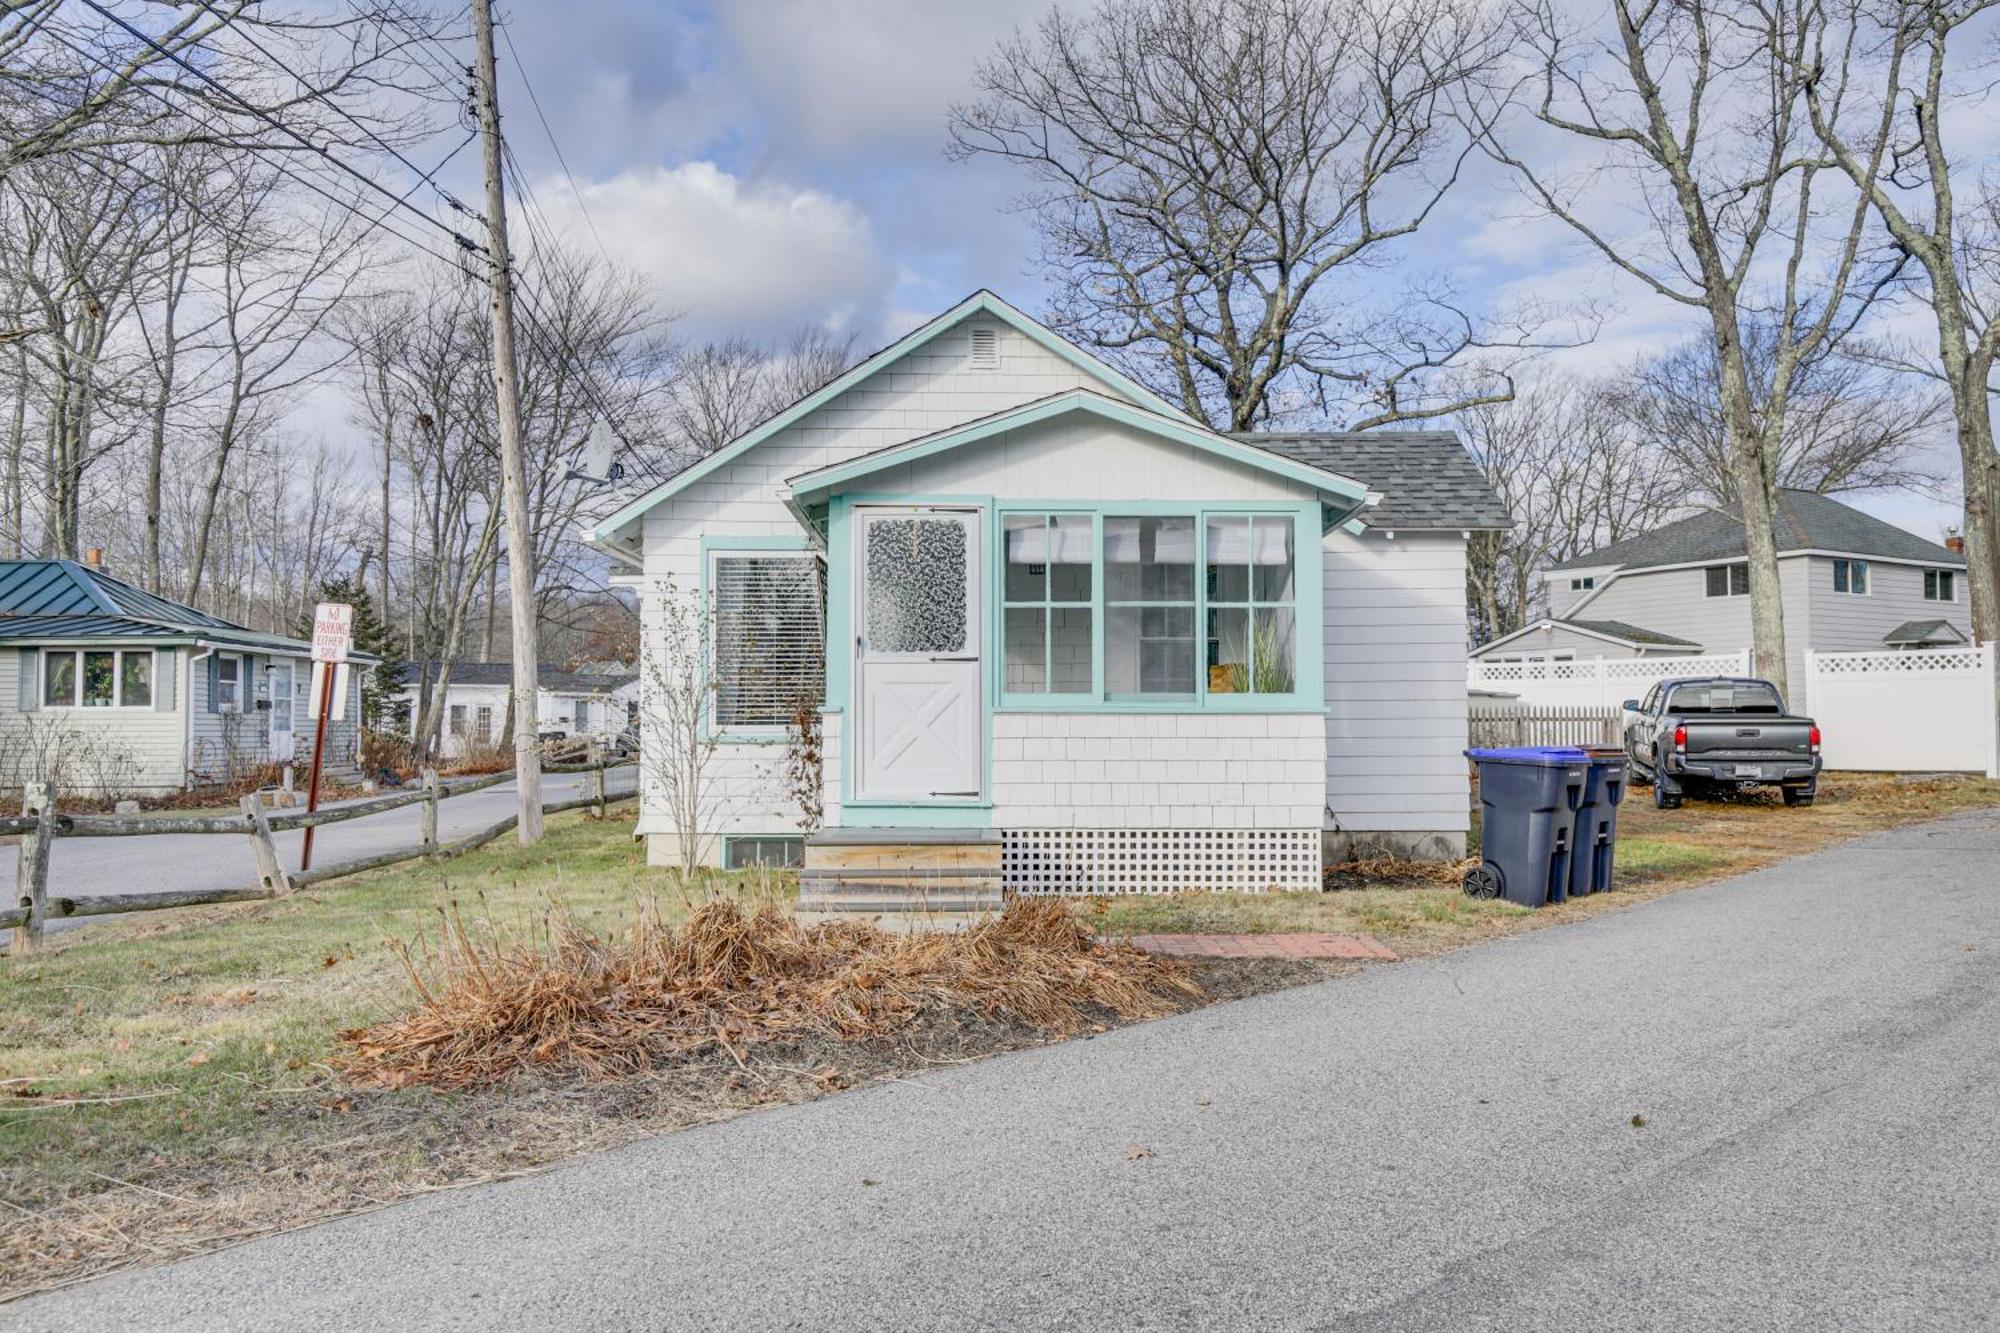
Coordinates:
(430,779)
(594,756)
(31,881)
(270,870)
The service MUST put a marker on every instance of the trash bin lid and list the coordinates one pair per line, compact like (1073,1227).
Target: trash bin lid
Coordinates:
(1542,756)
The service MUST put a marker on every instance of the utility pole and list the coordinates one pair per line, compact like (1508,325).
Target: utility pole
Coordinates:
(513,470)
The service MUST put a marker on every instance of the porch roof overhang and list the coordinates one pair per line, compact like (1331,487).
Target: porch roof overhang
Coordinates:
(806,495)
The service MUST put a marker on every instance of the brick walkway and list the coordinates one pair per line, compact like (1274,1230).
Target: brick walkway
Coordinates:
(1313,944)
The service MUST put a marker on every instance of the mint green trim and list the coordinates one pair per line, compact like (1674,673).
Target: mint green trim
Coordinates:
(720,543)
(868,814)
(1308,610)
(828,480)
(842,565)
(980,302)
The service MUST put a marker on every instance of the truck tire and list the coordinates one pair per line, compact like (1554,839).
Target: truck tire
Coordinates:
(1662,798)
(1799,796)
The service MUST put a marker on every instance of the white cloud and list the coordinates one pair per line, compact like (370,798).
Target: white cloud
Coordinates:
(727,254)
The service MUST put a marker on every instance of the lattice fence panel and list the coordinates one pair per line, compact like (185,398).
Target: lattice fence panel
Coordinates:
(1088,862)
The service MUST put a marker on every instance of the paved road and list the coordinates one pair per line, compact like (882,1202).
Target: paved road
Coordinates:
(1449,1145)
(79,867)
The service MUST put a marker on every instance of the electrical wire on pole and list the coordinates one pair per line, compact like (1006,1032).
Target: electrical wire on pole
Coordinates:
(513,467)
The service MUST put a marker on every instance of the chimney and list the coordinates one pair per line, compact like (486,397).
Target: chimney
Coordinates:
(1954,541)
(94,557)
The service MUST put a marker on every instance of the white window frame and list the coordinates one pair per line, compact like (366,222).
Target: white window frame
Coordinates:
(746,731)
(118,656)
(1728,580)
(1853,566)
(223,704)
(1937,581)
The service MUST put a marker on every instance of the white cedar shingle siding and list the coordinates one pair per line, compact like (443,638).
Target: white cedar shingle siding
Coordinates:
(1395,684)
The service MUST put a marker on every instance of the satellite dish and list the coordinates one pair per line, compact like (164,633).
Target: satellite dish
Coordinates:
(597,457)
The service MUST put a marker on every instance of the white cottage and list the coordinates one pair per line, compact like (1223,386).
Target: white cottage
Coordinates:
(1061,618)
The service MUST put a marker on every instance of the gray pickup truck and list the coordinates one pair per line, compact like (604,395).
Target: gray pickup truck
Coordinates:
(1716,734)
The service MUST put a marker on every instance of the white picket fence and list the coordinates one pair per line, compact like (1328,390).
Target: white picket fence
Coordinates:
(1597,682)
(1916,712)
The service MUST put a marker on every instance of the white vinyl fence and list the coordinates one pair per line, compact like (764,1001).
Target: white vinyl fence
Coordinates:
(1915,712)
(1598,682)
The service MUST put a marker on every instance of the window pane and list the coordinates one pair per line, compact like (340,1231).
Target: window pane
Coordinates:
(1840,576)
(59,679)
(1273,650)
(1228,650)
(1858,575)
(1717,580)
(1026,648)
(767,634)
(1069,650)
(1027,545)
(917,585)
(1229,559)
(1151,560)
(1739,580)
(99,671)
(1069,558)
(1150,649)
(1271,560)
(135,680)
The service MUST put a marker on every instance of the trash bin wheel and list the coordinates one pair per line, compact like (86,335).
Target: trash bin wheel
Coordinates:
(1483,881)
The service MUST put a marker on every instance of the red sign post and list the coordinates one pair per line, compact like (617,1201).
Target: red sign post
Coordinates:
(333,638)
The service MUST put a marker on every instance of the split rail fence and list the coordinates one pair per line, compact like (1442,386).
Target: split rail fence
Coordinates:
(41,825)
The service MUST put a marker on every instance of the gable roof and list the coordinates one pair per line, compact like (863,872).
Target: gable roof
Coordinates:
(1612,631)
(502,673)
(1349,493)
(1924,632)
(1806,521)
(980,302)
(61,601)
(1426,479)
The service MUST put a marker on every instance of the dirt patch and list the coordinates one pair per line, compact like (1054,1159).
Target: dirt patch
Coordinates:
(350,1148)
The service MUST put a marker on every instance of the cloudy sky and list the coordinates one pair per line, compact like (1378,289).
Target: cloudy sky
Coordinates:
(767,163)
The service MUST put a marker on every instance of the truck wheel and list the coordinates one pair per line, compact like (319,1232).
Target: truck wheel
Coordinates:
(1664,799)
(1482,881)
(1797,796)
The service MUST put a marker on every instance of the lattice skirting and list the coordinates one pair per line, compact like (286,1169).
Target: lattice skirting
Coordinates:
(1087,862)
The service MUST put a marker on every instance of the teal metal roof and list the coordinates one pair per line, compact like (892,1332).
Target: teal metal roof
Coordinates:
(61,601)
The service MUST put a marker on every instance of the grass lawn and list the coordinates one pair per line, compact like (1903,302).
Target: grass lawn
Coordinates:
(167,1081)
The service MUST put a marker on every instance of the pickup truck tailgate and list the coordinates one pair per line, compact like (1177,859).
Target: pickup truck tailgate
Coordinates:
(1748,739)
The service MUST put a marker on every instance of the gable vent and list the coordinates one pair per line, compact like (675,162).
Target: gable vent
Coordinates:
(985,349)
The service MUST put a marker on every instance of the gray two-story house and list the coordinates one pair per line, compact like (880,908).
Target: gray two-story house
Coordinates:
(1852,583)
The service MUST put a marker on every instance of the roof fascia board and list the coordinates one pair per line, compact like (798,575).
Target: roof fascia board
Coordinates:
(979,302)
(825,479)
(1557,622)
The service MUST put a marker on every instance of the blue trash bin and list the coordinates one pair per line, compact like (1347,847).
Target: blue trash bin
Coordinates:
(1528,798)
(1594,847)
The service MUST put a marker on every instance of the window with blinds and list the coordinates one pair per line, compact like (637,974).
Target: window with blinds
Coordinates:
(769,636)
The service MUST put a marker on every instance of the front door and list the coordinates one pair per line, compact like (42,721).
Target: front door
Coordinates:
(281,713)
(919,733)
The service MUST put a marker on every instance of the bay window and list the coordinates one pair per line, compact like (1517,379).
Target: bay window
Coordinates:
(1196,609)
(97,678)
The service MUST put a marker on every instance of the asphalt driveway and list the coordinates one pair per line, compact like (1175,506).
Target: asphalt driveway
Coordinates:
(1813,1049)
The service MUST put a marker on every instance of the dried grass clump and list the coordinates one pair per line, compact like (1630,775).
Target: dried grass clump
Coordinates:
(566,1002)
(1398,868)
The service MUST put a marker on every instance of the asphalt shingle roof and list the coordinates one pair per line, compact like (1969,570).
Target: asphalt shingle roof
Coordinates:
(1619,629)
(1427,480)
(1925,631)
(1807,521)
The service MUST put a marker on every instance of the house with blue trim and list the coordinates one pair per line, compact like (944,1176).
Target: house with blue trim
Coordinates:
(105,687)
(1032,605)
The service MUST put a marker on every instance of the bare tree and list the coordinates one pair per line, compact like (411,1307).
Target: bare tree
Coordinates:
(1914,101)
(1697,112)
(1212,179)
(719,390)
(1849,425)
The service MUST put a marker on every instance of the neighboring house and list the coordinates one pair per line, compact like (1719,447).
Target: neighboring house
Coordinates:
(1060,613)
(110,688)
(568,704)
(1851,583)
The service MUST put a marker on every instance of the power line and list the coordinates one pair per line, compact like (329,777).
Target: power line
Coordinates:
(561,160)
(400,201)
